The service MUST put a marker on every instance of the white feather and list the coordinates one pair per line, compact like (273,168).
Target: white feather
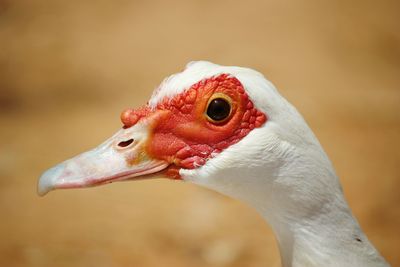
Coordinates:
(282,171)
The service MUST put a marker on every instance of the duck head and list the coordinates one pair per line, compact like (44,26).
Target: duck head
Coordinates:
(225,128)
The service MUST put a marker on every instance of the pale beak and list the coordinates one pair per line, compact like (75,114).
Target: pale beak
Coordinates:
(121,157)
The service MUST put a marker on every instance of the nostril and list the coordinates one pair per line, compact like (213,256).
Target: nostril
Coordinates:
(125,143)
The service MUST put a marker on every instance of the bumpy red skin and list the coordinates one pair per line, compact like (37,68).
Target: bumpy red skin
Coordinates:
(182,135)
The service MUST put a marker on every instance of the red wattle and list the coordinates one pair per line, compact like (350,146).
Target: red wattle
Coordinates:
(186,138)
(182,135)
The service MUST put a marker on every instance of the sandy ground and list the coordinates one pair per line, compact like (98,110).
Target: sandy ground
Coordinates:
(67,69)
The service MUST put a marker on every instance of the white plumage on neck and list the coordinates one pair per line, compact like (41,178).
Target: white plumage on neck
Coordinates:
(282,171)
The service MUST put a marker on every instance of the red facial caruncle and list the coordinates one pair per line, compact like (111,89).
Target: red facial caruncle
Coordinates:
(199,123)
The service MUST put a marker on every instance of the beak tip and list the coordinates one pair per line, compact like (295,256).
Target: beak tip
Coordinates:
(47,181)
(45,185)
(42,192)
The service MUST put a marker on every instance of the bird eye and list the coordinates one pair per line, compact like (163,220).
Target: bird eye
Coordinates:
(218,109)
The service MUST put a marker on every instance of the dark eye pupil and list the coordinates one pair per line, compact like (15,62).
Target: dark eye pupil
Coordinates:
(218,109)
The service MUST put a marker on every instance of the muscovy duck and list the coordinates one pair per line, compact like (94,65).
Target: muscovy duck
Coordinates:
(228,129)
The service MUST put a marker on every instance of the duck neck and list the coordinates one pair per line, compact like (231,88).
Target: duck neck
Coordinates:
(330,236)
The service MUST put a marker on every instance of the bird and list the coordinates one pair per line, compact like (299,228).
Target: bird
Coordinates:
(228,129)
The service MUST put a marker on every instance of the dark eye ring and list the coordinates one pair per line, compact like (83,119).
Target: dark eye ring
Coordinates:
(219,108)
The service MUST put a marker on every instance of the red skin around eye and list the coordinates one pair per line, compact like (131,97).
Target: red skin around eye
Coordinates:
(182,134)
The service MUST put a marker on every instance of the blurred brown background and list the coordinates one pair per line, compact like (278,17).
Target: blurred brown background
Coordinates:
(67,69)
